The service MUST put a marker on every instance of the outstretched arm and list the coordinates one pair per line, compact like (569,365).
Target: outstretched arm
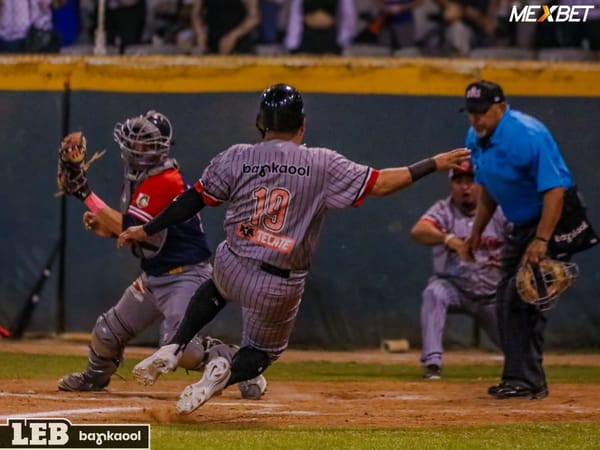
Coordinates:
(181,209)
(395,179)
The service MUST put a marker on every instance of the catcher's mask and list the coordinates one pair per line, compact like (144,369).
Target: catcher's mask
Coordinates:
(145,140)
(541,285)
(281,109)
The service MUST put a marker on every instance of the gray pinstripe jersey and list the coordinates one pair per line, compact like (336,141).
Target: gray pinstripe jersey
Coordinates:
(278,193)
(481,277)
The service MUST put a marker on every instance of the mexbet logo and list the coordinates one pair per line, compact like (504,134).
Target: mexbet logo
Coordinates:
(555,13)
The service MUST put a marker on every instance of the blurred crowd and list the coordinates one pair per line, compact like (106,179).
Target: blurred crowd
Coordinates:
(346,27)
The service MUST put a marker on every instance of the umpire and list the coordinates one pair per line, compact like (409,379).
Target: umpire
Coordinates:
(519,166)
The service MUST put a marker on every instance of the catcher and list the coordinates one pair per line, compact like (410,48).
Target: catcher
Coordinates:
(174,264)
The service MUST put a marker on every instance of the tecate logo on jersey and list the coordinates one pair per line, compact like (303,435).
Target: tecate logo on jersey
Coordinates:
(264,238)
(263,169)
(546,13)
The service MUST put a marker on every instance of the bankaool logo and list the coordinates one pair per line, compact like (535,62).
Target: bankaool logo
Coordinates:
(61,433)
(555,13)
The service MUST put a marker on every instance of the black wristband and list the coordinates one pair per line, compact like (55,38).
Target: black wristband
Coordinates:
(421,168)
(82,193)
(539,238)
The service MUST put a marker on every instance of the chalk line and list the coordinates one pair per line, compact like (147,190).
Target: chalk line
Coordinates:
(72,412)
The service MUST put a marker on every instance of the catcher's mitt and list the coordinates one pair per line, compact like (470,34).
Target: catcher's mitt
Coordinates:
(72,167)
(542,284)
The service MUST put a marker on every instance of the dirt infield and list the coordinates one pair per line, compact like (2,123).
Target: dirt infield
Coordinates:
(339,404)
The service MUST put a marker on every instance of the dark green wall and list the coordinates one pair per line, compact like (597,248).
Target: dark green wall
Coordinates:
(367,275)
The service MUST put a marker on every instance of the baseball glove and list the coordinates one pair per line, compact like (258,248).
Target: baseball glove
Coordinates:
(72,167)
(541,285)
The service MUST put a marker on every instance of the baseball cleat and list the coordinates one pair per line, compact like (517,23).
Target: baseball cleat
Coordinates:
(80,382)
(213,381)
(432,372)
(164,360)
(507,390)
(254,388)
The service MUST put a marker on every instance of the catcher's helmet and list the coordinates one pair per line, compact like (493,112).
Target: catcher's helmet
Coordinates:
(541,285)
(281,109)
(145,140)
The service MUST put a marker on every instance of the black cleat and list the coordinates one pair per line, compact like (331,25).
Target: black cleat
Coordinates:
(80,382)
(493,390)
(506,390)
(432,372)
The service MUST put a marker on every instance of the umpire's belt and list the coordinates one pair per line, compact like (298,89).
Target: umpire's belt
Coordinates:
(278,272)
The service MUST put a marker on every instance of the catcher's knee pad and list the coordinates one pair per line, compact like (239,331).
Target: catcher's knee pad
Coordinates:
(201,349)
(109,336)
(248,363)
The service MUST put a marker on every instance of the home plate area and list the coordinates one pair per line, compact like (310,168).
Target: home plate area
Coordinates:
(338,404)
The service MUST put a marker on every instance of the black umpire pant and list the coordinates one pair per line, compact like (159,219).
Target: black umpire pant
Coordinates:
(521,326)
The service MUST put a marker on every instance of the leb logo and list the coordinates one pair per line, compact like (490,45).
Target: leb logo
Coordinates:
(39,433)
(61,433)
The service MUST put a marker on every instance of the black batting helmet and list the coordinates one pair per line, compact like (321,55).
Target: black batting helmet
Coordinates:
(281,109)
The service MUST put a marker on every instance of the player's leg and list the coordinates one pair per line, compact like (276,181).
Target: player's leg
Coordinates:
(521,328)
(172,294)
(269,304)
(437,297)
(212,348)
(245,370)
(113,330)
(486,313)
(204,305)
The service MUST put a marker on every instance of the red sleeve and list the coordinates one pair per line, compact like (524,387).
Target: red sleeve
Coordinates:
(155,193)
(432,222)
(368,187)
(206,197)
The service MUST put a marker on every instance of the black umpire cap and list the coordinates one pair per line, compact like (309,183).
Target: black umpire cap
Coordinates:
(481,95)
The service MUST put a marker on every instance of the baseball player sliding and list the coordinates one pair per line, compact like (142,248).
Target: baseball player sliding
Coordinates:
(174,262)
(278,192)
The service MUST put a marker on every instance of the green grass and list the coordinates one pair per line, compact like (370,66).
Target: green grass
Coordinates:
(543,436)
(26,366)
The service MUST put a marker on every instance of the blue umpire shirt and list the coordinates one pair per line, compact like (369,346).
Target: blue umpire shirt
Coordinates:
(517,164)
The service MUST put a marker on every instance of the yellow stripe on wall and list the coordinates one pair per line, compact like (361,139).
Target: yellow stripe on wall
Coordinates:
(187,74)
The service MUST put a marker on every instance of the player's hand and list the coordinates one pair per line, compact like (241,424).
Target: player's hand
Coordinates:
(467,252)
(91,223)
(455,244)
(535,252)
(131,235)
(451,159)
